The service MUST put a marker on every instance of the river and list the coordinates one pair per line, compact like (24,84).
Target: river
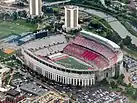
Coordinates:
(116,25)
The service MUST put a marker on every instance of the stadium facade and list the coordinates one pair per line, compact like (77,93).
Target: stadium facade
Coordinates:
(83,61)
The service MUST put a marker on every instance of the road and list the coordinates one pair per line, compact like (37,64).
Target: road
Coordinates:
(10,8)
(55,3)
(117,26)
(103,3)
(44,4)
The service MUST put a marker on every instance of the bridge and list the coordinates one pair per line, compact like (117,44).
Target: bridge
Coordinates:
(109,19)
(55,3)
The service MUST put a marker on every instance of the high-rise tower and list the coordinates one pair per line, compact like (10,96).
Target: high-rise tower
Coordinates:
(71,18)
(35,7)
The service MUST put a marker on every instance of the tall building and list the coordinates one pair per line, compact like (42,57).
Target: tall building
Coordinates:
(71,18)
(35,7)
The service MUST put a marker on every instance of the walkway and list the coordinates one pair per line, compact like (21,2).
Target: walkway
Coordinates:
(126,79)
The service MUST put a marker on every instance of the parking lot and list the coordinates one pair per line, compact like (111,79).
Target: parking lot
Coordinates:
(130,64)
(94,94)
(133,78)
(30,86)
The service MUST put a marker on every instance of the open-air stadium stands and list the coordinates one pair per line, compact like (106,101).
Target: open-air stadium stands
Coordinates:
(50,50)
(45,42)
(89,55)
(82,61)
(86,55)
(100,40)
(85,49)
(97,47)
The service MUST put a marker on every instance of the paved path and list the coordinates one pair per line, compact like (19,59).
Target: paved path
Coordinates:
(126,79)
(55,3)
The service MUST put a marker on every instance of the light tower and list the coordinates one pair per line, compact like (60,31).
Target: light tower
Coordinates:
(71,18)
(35,7)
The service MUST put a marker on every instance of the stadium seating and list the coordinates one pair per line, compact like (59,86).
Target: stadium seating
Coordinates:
(86,55)
(45,42)
(89,55)
(47,46)
(50,50)
(93,45)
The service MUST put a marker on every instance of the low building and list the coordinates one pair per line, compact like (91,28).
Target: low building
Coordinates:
(4,74)
(71,18)
(12,96)
(50,97)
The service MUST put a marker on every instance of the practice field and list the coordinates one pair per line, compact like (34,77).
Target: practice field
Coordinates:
(72,63)
(2,54)
(8,51)
(15,27)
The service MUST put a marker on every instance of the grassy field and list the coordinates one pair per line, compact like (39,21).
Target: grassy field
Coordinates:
(72,63)
(15,27)
(2,54)
(129,52)
(55,9)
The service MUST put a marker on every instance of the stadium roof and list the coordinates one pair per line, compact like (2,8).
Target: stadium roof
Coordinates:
(27,38)
(114,45)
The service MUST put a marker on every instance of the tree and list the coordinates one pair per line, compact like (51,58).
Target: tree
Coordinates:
(59,25)
(74,32)
(121,45)
(127,41)
(20,4)
(104,81)
(113,84)
(15,16)
(131,91)
(113,36)
(120,79)
(22,13)
(107,2)
(28,20)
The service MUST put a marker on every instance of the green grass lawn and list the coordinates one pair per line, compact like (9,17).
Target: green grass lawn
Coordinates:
(14,27)
(55,9)
(2,53)
(131,53)
(72,63)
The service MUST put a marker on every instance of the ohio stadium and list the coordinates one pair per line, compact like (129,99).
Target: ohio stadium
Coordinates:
(83,61)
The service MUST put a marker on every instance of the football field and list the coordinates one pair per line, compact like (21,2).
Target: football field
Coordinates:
(8,28)
(72,63)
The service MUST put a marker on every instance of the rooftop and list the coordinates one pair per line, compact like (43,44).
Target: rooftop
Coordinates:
(71,7)
(3,68)
(51,97)
(13,93)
